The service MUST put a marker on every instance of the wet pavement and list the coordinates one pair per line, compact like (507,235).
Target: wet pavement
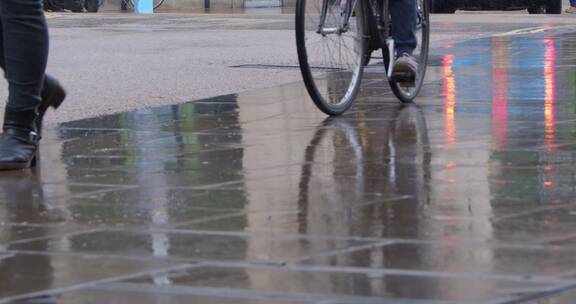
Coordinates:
(467,196)
(166,59)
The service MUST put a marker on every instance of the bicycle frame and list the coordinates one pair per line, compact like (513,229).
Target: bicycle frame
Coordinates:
(342,28)
(378,26)
(379,29)
(335,40)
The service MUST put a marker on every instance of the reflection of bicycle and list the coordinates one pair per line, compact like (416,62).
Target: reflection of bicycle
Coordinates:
(335,38)
(353,158)
(93,6)
(130,4)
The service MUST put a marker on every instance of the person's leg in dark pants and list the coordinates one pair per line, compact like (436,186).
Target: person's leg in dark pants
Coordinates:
(23,53)
(25,49)
(403,19)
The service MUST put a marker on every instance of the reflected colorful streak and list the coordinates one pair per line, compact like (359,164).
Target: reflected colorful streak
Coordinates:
(450,99)
(500,91)
(550,91)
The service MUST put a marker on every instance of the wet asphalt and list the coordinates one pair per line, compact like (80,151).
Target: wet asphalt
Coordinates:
(466,196)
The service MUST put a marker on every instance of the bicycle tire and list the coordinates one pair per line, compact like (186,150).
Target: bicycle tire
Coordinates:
(408,93)
(331,85)
(341,147)
(157,3)
(92,6)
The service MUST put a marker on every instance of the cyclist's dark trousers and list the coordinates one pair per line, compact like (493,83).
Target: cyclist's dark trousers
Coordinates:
(403,15)
(23,51)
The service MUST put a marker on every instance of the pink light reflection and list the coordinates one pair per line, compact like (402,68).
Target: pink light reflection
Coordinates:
(500,91)
(450,99)
(550,92)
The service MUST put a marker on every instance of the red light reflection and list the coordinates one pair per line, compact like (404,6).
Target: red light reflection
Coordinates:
(500,91)
(549,91)
(450,99)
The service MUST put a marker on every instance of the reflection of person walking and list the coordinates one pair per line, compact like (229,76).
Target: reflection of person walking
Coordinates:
(23,57)
(572,8)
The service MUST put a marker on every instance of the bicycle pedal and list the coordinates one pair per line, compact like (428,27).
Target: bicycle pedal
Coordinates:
(407,79)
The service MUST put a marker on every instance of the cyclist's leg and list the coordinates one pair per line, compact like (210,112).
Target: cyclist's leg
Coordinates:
(403,19)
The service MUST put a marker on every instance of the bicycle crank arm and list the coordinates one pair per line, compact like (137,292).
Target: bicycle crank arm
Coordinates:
(332,30)
(391,49)
(329,30)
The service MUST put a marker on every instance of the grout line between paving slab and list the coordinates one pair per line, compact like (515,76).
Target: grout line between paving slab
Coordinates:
(258,295)
(556,239)
(33,225)
(88,284)
(141,230)
(532,211)
(519,246)
(342,251)
(539,293)
(80,184)
(403,301)
(211,218)
(6,255)
(422,273)
(52,236)
(273,213)
(284,266)
(102,191)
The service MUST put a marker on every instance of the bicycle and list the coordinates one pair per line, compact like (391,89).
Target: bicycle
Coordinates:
(392,159)
(130,3)
(92,6)
(335,40)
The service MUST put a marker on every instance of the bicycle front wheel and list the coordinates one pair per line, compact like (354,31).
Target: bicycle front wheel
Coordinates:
(406,92)
(331,61)
(158,3)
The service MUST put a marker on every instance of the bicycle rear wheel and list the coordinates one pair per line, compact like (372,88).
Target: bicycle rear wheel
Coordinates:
(404,91)
(331,63)
(158,3)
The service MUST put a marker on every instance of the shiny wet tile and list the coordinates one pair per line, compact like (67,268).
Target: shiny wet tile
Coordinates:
(193,245)
(27,274)
(321,284)
(466,196)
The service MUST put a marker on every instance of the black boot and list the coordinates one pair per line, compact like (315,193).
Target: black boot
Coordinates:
(22,129)
(53,95)
(19,140)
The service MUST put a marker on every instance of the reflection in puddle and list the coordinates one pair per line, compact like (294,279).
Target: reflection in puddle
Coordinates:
(458,197)
(450,99)
(550,91)
(500,65)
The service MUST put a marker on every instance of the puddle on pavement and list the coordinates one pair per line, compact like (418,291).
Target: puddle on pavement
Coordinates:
(486,156)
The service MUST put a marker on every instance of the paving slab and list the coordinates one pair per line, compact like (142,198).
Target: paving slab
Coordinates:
(112,62)
(466,196)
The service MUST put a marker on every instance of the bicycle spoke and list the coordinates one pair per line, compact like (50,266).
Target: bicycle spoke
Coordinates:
(333,57)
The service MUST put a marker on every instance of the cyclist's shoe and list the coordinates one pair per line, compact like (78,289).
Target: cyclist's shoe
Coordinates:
(570,10)
(405,69)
